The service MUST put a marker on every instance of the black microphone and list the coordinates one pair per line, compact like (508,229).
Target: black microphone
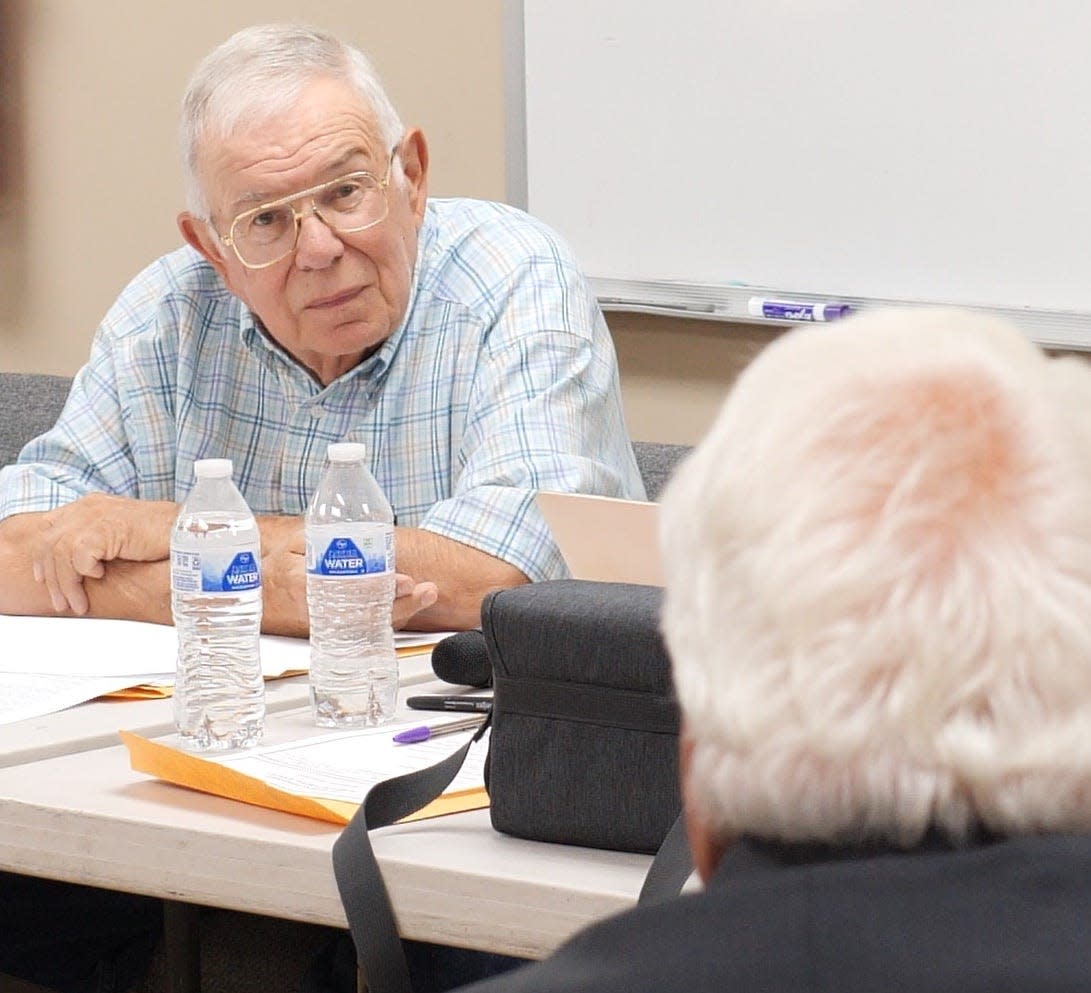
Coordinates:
(462,659)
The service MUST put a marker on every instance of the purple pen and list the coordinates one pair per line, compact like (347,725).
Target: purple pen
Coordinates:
(423,732)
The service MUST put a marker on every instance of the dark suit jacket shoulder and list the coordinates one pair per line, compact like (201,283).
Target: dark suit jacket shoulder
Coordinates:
(1008,916)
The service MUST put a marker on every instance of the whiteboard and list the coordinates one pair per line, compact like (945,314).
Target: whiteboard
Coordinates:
(696,152)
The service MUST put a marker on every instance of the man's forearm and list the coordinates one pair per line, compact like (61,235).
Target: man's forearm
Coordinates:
(463,574)
(133,591)
(138,591)
(19,592)
(141,590)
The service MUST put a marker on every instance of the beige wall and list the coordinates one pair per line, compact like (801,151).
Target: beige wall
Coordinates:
(97,185)
(675,373)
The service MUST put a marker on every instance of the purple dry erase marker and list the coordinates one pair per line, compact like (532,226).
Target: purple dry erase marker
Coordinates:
(786,310)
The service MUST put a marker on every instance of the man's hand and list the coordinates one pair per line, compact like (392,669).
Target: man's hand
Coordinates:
(80,537)
(284,581)
(411,597)
(463,577)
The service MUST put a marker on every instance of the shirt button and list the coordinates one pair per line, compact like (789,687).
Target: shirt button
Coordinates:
(318,412)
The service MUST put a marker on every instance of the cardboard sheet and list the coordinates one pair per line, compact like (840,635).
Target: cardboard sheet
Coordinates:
(605,539)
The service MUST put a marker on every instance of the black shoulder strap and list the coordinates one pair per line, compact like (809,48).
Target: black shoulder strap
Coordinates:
(364,895)
(671,866)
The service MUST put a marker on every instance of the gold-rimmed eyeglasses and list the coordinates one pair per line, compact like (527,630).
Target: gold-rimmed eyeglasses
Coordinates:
(262,236)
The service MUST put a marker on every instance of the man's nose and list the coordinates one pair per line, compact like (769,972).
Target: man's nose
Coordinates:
(318,245)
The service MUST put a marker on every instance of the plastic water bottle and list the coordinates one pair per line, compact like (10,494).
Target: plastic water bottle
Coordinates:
(350,594)
(215,551)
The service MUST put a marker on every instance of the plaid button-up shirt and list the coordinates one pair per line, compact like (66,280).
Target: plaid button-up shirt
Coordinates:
(501,380)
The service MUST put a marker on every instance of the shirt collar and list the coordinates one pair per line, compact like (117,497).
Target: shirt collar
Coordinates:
(749,855)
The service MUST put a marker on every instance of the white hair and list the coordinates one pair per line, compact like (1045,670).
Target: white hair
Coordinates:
(260,72)
(878,586)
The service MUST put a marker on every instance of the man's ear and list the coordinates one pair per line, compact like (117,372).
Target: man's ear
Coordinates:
(199,234)
(707,849)
(414,159)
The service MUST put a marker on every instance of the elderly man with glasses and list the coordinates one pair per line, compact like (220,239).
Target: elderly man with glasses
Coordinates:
(322,297)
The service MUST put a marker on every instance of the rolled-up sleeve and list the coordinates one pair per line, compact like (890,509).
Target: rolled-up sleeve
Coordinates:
(544,413)
(85,451)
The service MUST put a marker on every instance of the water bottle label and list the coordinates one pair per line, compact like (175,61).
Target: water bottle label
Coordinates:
(185,571)
(226,571)
(367,553)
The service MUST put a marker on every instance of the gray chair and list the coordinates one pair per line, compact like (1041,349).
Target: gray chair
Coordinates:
(656,462)
(29,405)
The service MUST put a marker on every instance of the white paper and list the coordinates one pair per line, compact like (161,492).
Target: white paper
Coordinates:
(84,646)
(25,695)
(52,663)
(414,639)
(344,765)
(91,646)
(80,646)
